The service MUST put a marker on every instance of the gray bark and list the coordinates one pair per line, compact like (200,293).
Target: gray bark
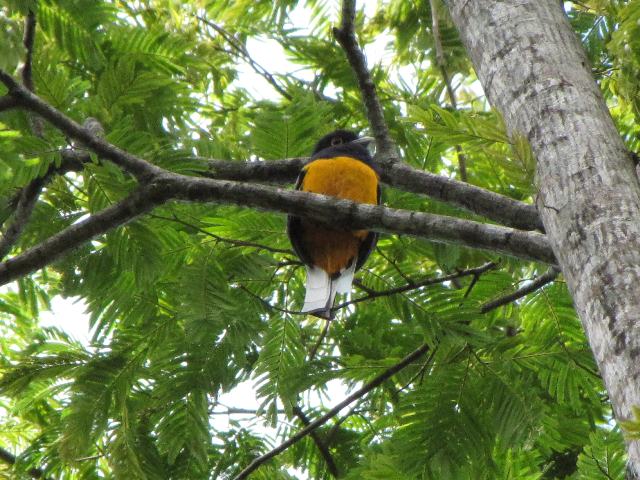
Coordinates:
(535,72)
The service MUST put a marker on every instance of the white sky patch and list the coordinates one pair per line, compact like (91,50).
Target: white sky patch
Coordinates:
(68,314)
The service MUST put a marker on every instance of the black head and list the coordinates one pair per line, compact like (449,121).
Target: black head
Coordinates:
(335,138)
(343,142)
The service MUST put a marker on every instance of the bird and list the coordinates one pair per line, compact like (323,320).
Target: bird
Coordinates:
(340,166)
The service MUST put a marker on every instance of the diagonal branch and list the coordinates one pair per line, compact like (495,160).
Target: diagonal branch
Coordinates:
(387,374)
(539,282)
(399,174)
(9,458)
(141,169)
(347,38)
(7,102)
(48,251)
(320,443)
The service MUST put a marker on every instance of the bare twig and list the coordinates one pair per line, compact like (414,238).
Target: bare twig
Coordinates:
(476,272)
(387,374)
(238,411)
(347,38)
(320,443)
(539,282)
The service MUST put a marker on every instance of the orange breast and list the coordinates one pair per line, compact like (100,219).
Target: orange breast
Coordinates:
(342,177)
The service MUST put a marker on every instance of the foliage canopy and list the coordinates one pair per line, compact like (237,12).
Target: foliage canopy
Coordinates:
(191,300)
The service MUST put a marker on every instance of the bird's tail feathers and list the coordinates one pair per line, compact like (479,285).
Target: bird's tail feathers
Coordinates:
(342,284)
(318,298)
(321,289)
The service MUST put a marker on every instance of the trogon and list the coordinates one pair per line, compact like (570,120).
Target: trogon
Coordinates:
(340,166)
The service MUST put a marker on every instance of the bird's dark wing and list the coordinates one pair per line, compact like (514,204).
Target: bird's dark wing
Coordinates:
(368,244)
(294,229)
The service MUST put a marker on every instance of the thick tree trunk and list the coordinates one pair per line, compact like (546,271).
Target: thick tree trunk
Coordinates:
(535,72)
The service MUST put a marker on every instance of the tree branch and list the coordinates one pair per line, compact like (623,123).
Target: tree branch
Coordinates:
(141,169)
(478,200)
(539,282)
(341,213)
(387,374)
(9,458)
(322,446)
(272,171)
(7,102)
(486,203)
(45,253)
(28,41)
(27,197)
(346,37)
(338,213)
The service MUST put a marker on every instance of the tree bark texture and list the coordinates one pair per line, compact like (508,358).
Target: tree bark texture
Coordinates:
(534,70)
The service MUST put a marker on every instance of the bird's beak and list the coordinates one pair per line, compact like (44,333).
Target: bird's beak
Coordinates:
(367,142)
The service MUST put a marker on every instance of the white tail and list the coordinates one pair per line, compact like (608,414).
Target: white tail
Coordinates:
(321,290)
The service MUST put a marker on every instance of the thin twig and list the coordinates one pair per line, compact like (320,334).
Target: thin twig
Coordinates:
(419,284)
(387,374)
(539,282)
(230,241)
(239,411)
(320,443)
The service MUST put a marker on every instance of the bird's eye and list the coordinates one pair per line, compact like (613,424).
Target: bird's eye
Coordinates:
(336,141)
